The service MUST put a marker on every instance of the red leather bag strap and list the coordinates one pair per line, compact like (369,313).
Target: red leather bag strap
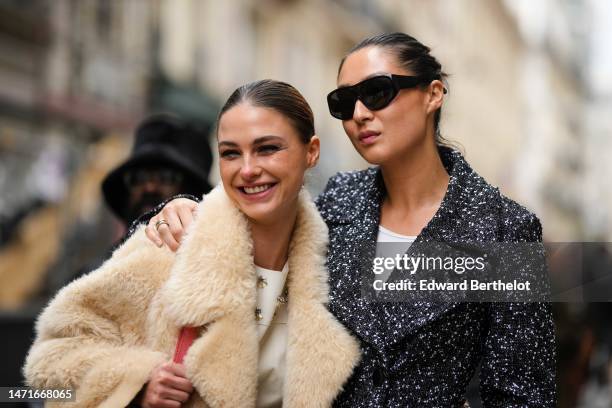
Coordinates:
(186,338)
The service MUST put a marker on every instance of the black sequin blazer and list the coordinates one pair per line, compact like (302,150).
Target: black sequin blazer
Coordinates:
(424,354)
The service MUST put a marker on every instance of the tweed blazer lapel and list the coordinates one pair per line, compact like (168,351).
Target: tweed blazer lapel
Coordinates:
(213,285)
(455,224)
(383,324)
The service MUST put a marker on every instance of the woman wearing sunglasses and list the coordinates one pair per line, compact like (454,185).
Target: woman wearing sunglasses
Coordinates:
(389,98)
(243,302)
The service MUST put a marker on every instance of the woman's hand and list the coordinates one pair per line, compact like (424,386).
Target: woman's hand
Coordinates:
(178,214)
(167,387)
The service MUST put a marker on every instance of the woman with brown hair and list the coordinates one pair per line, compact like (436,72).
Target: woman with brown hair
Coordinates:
(241,305)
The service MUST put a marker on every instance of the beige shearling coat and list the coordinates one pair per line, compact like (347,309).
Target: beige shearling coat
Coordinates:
(104,333)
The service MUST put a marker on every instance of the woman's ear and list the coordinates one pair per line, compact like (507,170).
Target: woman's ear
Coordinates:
(436,95)
(314,149)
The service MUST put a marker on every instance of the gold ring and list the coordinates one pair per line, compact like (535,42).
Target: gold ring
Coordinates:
(160,223)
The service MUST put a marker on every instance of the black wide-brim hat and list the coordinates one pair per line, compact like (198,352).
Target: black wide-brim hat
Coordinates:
(163,140)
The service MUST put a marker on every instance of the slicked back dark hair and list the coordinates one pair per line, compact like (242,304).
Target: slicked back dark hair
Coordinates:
(281,97)
(411,55)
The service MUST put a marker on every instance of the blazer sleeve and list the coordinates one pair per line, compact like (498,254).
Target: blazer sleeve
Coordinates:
(518,369)
(91,336)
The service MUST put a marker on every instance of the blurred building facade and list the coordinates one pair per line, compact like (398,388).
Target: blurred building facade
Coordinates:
(74,81)
(552,161)
(597,122)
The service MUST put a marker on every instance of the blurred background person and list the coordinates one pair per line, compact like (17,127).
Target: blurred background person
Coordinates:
(169,157)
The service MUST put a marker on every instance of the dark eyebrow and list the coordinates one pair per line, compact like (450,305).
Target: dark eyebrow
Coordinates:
(267,138)
(375,74)
(259,140)
(229,144)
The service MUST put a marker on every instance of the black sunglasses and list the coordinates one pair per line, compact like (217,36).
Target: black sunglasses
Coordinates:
(375,93)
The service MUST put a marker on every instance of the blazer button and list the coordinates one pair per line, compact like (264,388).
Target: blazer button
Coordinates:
(378,376)
(258,314)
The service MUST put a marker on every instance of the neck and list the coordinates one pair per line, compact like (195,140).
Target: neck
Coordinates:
(271,241)
(418,179)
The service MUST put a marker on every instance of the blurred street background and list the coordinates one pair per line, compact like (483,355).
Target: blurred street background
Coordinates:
(530,105)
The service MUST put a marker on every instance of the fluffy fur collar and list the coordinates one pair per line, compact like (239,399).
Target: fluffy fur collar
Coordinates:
(212,284)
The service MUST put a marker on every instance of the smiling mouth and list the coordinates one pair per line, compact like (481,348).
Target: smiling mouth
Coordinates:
(256,189)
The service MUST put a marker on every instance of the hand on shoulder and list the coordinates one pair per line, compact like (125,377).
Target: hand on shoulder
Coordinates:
(169,225)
